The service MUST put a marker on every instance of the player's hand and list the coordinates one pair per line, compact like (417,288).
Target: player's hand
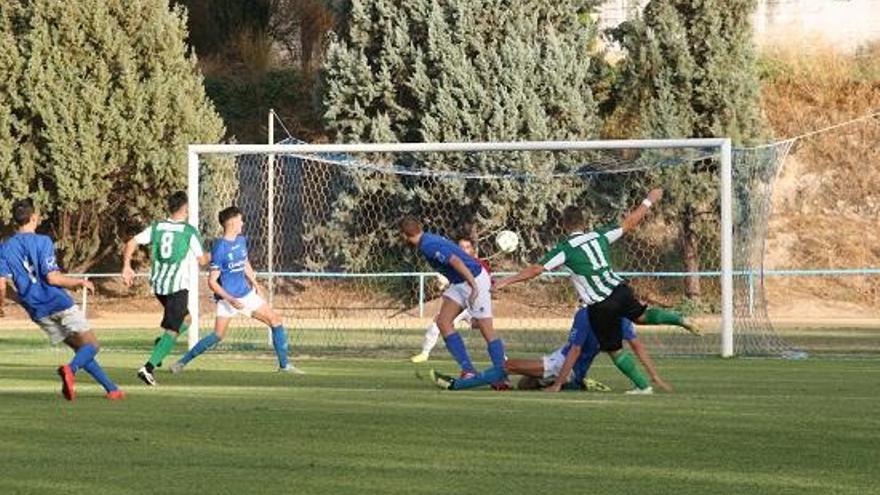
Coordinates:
(556,387)
(659,383)
(655,195)
(236,304)
(88,286)
(127,275)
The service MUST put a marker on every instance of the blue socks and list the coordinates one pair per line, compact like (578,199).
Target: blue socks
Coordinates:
(279,342)
(455,345)
(203,345)
(97,372)
(488,377)
(496,353)
(83,355)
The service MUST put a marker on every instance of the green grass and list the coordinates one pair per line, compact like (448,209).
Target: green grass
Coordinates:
(231,425)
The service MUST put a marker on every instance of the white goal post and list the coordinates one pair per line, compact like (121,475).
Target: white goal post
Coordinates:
(722,145)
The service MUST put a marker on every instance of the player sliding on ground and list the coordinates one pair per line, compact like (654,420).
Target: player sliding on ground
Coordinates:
(29,260)
(234,283)
(432,333)
(587,257)
(469,289)
(174,244)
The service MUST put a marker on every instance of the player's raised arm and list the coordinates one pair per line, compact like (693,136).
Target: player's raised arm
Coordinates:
(635,217)
(525,274)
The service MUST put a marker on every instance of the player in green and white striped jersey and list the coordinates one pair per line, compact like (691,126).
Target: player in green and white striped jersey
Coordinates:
(174,244)
(586,256)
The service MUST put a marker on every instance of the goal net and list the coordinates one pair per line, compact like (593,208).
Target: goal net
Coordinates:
(321,223)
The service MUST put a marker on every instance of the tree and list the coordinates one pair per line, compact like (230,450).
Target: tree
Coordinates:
(456,70)
(97,105)
(689,71)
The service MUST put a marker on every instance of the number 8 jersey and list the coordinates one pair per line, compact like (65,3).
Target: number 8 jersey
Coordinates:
(587,257)
(172,246)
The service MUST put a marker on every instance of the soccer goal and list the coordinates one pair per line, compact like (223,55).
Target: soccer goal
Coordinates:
(321,222)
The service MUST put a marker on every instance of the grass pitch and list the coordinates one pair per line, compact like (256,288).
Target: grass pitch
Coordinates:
(229,424)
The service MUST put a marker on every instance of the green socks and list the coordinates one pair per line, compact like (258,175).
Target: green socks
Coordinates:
(165,345)
(626,363)
(656,316)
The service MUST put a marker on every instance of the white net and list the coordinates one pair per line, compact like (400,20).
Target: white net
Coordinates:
(345,282)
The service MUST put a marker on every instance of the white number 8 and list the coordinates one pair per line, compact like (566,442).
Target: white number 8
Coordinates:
(166,244)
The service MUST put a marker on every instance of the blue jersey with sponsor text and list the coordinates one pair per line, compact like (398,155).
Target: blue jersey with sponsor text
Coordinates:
(230,258)
(437,250)
(28,259)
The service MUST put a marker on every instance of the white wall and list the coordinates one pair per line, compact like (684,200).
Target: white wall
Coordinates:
(845,24)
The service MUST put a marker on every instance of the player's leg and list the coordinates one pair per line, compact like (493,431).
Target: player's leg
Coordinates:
(221,324)
(605,318)
(488,377)
(88,339)
(265,314)
(451,305)
(526,367)
(432,334)
(481,312)
(659,316)
(175,322)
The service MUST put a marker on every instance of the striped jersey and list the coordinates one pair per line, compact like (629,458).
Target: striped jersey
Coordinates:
(587,257)
(173,246)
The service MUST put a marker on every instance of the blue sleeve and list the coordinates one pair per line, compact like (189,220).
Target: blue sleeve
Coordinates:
(4,266)
(434,251)
(216,255)
(46,252)
(629,330)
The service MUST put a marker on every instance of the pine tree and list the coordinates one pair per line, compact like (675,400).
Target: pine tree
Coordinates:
(456,70)
(689,71)
(98,103)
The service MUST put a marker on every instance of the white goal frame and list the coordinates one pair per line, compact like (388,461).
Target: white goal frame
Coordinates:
(723,145)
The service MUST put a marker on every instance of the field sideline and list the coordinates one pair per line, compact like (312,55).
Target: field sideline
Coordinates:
(231,425)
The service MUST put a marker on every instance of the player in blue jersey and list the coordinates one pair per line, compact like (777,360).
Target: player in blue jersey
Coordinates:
(28,259)
(234,283)
(470,288)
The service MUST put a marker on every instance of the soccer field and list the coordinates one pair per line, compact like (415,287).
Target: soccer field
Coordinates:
(230,424)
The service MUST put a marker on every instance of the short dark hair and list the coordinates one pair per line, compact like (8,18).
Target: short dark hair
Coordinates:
(410,225)
(22,211)
(572,218)
(466,238)
(227,213)
(176,201)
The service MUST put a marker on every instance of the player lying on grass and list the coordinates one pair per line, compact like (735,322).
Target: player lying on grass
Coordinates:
(29,260)
(587,257)
(174,244)
(432,333)
(236,291)
(470,288)
(546,370)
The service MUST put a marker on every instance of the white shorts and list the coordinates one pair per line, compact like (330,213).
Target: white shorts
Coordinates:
(63,324)
(553,365)
(460,293)
(251,301)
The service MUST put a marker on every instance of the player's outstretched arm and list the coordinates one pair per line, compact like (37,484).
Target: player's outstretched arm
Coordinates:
(573,354)
(59,279)
(525,274)
(635,217)
(642,353)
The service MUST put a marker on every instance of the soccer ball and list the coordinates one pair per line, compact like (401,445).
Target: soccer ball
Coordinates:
(507,241)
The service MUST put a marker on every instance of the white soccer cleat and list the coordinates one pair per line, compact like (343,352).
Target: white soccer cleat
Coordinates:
(421,357)
(691,326)
(146,376)
(640,391)
(176,368)
(293,370)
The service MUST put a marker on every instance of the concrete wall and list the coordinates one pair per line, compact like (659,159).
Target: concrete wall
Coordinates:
(845,24)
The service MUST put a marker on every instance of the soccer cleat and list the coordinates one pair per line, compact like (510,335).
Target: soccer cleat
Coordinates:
(691,326)
(421,357)
(640,391)
(67,382)
(176,368)
(293,370)
(146,376)
(115,395)
(442,381)
(464,375)
(591,385)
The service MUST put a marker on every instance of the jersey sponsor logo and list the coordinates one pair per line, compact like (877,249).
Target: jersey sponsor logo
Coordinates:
(171,227)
